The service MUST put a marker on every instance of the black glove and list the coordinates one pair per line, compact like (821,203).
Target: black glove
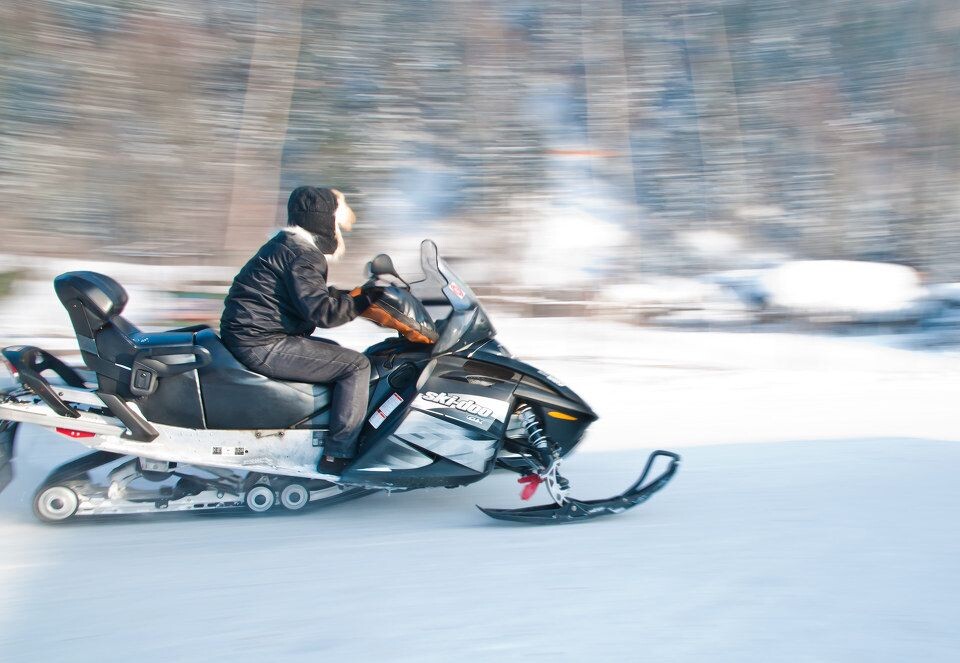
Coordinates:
(369,294)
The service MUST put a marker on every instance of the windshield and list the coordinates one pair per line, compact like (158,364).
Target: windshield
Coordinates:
(467,323)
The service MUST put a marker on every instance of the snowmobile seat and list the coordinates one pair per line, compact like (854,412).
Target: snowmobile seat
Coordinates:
(236,398)
(160,370)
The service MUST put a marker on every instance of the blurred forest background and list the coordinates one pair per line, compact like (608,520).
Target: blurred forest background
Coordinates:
(665,136)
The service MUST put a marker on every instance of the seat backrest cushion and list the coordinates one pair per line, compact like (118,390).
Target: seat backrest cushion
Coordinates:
(90,298)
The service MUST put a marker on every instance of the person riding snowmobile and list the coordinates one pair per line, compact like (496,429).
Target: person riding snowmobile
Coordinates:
(281,296)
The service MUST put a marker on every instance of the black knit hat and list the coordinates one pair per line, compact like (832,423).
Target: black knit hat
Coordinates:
(312,208)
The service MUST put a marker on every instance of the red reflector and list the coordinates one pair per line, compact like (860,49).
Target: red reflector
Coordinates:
(532,482)
(69,432)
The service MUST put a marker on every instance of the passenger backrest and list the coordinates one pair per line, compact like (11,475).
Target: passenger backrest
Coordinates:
(94,302)
(110,345)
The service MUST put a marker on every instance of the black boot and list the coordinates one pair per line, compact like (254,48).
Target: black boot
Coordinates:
(332,465)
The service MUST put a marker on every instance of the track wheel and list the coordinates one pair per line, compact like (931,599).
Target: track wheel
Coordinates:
(55,504)
(260,498)
(294,496)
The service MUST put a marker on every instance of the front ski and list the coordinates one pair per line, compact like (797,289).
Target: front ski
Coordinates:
(571,510)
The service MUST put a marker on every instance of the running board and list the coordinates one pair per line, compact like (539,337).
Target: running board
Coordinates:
(577,510)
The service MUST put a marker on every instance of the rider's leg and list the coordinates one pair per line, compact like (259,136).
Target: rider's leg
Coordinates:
(348,408)
(303,359)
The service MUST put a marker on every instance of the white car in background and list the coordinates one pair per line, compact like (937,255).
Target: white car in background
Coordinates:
(834,290)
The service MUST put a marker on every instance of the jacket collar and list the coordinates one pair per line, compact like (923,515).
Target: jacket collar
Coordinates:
(305,236)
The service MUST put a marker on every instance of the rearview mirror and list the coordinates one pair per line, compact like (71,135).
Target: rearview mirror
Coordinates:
(382,265)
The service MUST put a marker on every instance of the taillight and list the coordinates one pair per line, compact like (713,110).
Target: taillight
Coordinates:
(75,434)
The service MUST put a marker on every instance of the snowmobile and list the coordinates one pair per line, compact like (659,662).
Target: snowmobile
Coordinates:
(176,423)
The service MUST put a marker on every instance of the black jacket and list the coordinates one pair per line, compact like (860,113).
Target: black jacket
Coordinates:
(283,291)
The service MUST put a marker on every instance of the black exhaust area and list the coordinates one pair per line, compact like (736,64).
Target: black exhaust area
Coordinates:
(8,431)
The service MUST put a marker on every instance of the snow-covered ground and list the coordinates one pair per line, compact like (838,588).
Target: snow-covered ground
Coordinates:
(814,518)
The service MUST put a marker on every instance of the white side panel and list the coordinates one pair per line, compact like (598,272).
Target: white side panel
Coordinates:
(288,452)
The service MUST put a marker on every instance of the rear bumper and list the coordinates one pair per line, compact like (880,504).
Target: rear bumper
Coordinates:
(30,362)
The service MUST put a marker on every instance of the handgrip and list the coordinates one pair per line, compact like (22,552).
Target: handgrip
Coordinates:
(148,367)
(149,356)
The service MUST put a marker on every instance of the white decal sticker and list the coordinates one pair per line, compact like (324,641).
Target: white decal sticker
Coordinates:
(478,405)
(389,405)
(228,451)
(457,402)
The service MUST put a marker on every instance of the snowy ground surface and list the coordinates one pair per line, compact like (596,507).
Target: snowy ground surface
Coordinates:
(814,518)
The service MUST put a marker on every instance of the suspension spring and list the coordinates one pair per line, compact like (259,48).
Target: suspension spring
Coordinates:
(535,435)
(549,458)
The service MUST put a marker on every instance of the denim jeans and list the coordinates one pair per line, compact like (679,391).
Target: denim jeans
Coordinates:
(305,359)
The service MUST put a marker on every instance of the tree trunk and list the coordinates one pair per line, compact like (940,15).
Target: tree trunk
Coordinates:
(255,201)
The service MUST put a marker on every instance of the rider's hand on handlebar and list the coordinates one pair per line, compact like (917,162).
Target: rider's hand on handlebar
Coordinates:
(366,295)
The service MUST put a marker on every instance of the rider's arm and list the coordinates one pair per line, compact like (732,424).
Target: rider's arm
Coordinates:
(323,305)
